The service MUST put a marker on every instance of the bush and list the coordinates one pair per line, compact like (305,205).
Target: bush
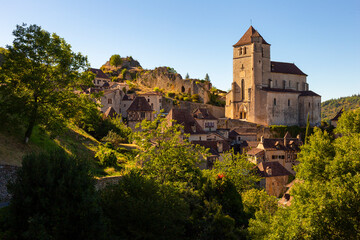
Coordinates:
(170,94)
(187,98)
(54,198)
(156,89)
(106,156)
(195,98)
(115,60)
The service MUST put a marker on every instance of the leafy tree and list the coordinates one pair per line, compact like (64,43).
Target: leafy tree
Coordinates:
(349,122)
(207,78)
(165,155)
(140,208)
(38,78)
(187,76)
(54,197)
(326,197)
(238,169)
(115,60)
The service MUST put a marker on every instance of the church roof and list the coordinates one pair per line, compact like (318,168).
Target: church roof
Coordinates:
(281,90)
(247,37)
(283,67)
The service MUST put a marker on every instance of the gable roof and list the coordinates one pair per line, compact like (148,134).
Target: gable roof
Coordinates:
(128,97)
(255,151)
(284,67)
(203,113)
(110,112)
(99,73)
(276,169)
(247,37)
(139,105)
(183,117)
(278,144)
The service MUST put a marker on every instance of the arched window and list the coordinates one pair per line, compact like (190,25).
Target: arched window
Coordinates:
(182,89)
(274,101)
(242,89)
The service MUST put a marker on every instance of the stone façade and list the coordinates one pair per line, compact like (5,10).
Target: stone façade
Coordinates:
(267,92)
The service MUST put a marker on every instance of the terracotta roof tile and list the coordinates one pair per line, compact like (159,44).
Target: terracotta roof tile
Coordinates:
(255,151)
(139,105)
(247,37)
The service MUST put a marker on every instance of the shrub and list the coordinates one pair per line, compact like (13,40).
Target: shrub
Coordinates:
(156,89)
(195,98)
(54,198)
(106,156)
(115,60)
(187,98)
(170,94)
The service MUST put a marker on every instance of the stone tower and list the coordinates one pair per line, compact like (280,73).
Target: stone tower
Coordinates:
(267,92)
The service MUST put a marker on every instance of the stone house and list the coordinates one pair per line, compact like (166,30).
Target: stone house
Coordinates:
(281,150)
(205,119)
(138,111)
(125,104)
(275,177)
(155,100)
(100,77)
(267,92)
(111,98)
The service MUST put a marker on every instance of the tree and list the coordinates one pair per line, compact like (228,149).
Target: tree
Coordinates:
(187,76)
(207,78)
(54,197)
(115,60)
(38,78)
(165,155)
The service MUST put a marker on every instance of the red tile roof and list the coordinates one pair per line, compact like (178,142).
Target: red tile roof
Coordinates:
(284,67)
(254,151)
(139,105)
(247,37)
(183,117)
(99,73)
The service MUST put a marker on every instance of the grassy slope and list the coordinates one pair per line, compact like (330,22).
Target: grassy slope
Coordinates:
(74,141)
(331,107)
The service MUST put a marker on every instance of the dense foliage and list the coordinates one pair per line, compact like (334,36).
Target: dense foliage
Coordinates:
(331,107)
(38,78)
(54,198)
(326,195)
(115,60)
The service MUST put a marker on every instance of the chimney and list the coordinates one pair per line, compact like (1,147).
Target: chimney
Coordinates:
(268,171)
(219,147)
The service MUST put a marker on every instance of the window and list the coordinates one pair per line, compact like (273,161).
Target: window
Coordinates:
(124,105)
(200,138)
(209,124)
(249,94)
(270,83)
(142,114)
(274,157)
(297,86)
(98,81)
(288,102)
(289,83)
(152,106)
(109,101)
(244,50)
(274,101)
(309,104)
(159,100)
(242,89)
(240,51)
(284,84)
(148,99)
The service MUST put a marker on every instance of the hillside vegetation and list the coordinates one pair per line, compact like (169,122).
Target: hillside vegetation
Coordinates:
(330,107)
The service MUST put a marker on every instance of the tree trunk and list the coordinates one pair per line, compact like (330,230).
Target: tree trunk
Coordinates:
(31,123)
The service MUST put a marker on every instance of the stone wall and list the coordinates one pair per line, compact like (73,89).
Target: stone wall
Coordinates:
(7,173)
(101,183)
(173,82)
(218,112)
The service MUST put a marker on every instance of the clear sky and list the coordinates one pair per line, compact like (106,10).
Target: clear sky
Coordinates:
(321,37)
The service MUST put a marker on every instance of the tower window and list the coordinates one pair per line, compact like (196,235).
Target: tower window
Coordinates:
(240,51)
(284,84)
(288,102)
(109,101)
(242,89)
(274,101)
(244,50)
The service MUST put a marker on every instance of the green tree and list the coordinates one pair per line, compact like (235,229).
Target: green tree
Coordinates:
(54,197)
(349,122)
(326,197)
(38,78)
(115,60)
(140,208)
(207,78)
(187,76)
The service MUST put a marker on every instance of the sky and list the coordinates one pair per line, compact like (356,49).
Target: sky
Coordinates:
(196,36)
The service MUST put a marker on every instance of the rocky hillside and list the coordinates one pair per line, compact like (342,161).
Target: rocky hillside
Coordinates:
(164,79)
(330,107)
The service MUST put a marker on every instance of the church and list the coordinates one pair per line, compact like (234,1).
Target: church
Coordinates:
(267,92)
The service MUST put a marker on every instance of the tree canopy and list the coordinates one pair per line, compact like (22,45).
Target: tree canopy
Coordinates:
(115,60)
(39,77)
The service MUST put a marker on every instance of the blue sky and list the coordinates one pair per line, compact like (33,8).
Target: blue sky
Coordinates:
(196,37)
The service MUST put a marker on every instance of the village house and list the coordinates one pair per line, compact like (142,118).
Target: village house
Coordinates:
(100,77)
(138,111)
(281,150)
(274,177)
(125,104)
(111,98)
(216,150)
(205,119)
(155,101)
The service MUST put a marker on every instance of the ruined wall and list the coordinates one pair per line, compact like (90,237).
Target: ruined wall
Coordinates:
(218,112)
(173,82)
